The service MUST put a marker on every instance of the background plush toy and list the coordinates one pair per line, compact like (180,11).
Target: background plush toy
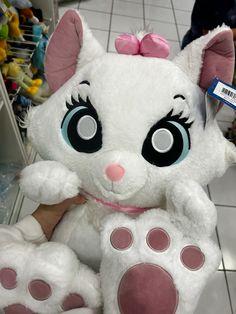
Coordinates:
(13,71)
(14,27)
(131,133)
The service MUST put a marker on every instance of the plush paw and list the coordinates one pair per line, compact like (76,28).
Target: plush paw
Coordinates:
(150,266)
(45,279)
(188,199)
(49,182)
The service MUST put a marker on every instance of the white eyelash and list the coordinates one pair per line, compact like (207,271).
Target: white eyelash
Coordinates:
(68,99)
(75,94)
(185,112)
(190,120)
(182,108)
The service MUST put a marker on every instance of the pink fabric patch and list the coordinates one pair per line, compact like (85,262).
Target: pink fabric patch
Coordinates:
(8,278)
(40,290)
(17,309)
(218,60)
(127,44)
(73,301)
(147,289)
(153,45)
(115,172)
(121,238)
(63,50)
(192,257)
(158,239)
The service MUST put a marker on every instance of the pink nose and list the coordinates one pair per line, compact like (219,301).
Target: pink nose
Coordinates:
(115,172)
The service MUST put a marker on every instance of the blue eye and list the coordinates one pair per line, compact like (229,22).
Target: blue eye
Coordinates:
(186,141)
(167,142)
(81,128)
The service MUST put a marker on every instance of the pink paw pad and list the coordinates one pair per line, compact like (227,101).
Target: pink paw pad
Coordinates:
(121,238)
(40,290)
(192,257)
(147,289)
(8,278)
(17,309)
(73,301)
(158,239)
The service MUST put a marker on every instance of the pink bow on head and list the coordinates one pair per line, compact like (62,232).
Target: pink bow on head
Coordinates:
(151,45)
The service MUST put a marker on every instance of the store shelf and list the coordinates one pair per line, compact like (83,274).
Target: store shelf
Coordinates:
(1,104)
(15,149)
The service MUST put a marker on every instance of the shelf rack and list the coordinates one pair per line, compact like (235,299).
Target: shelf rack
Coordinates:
(13,150)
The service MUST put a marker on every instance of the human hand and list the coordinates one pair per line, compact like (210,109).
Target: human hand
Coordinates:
(49,216)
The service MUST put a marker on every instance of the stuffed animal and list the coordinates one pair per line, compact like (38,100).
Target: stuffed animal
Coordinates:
(13,71)
(133,134)
(27,15)
(3,38)
(14,27)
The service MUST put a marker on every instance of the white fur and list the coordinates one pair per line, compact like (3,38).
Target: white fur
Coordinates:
(52,262)
(130,94)
(49,182)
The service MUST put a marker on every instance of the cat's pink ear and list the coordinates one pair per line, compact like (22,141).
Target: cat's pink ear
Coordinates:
(208,57)
(71,46)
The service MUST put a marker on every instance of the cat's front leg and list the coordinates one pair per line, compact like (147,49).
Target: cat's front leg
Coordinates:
(188,200)
(49,182)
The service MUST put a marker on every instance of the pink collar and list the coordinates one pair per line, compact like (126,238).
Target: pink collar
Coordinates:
(118,207)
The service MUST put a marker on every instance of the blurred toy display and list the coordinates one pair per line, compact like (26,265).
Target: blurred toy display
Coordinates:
(23,42)
(13,71)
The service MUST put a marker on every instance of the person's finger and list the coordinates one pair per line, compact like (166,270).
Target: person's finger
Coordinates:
(80,199)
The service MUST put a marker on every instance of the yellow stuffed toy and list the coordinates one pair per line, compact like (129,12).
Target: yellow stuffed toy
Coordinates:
(14,27)
(13,71)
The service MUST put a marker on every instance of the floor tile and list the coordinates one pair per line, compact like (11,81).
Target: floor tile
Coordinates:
(232,288)
(174,49)
(182,29)
(27,208)
(126,24)
(164,29)
(159,14)
(186,5)
(214,299)
(227,235)
(101,36)
(128,8)
(215,239)
(223,189)
(96,5)
(62,10)
(226,114)
(133,1)
(160,3)
(113,36)
(96,20)
(183,17)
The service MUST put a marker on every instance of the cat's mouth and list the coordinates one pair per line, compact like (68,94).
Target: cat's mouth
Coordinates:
(118,207)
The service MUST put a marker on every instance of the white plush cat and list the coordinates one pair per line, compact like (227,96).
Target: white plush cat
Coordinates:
(130,133)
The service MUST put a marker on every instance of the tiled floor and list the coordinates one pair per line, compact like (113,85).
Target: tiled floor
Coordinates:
(171,18)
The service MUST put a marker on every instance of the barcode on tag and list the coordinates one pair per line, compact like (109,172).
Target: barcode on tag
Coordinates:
(225,92)
(228,92)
